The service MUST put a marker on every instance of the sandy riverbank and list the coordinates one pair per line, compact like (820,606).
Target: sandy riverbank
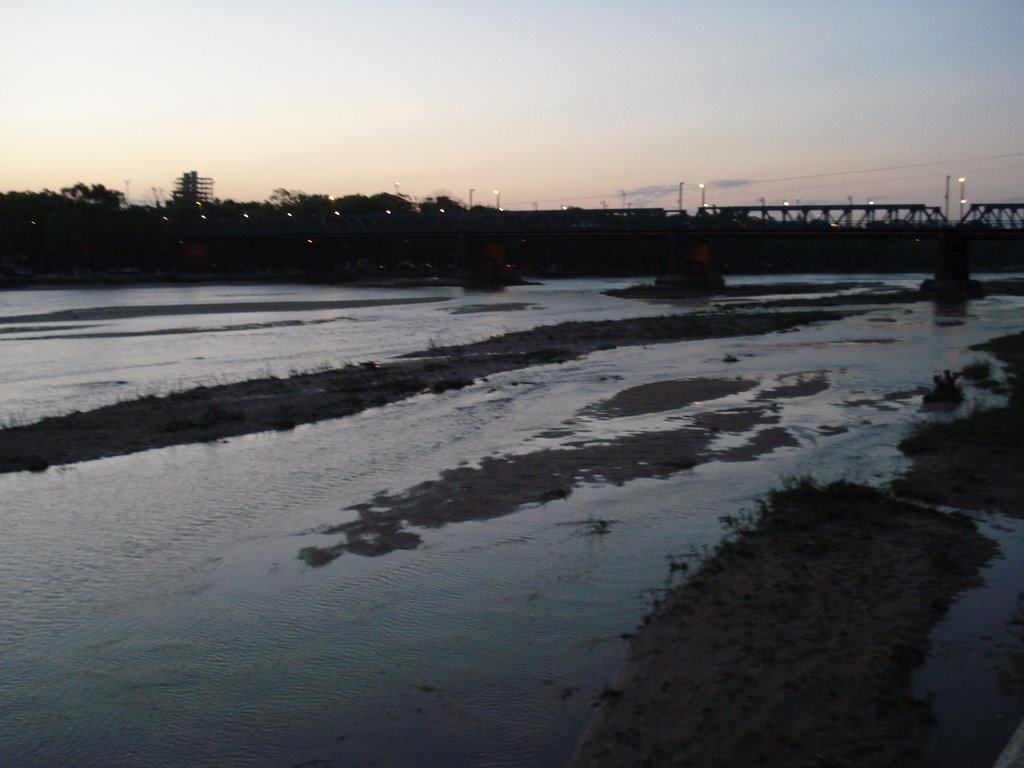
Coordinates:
(793,645)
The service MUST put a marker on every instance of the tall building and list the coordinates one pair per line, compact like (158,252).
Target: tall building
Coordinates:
(193,188)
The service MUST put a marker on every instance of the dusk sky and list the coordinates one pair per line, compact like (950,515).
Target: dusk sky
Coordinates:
(556,102)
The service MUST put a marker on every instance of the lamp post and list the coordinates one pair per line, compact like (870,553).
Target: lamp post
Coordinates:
(947,198)
(471,191)
(623,199)
(497,199)
(702,203)
(397,185)
(680,197)
(963,197)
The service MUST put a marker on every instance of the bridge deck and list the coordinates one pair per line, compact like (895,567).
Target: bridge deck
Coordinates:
(711,221)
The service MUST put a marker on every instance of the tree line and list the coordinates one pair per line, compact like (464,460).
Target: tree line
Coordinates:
(87,228)
(90,229)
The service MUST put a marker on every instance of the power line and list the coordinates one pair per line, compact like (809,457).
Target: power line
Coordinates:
(747,183)
(888,168)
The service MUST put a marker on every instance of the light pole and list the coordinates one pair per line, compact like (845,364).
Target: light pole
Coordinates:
(623,199)
(497,199)
(702,203)
(397,185)
(471,191)
(680,197)
(947,198)
(963,197)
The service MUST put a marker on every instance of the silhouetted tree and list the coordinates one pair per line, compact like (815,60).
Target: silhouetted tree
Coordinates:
(96,194)
(442,200)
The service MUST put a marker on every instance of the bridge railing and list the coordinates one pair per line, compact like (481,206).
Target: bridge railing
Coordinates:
(638,221)
(819,216)
(994,215)
(450,223)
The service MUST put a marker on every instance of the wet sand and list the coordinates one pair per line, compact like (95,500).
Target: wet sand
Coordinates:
(219,308)
(501,485)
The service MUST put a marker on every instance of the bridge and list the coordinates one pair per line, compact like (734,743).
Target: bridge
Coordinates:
(480,239)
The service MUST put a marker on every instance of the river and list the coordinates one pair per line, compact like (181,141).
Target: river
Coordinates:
(153,607)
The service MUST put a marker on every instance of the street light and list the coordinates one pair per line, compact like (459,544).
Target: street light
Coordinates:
(497,199)
(680,197)
(702,203)
(963,197)
(471,191)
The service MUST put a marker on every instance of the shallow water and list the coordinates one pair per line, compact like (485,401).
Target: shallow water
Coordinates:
(154,608)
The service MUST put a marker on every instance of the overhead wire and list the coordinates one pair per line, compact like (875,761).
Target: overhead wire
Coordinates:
(748,183)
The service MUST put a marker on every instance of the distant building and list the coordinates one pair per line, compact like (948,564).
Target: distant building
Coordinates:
(193,188)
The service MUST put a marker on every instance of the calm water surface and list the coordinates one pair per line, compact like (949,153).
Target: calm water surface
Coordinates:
(153,608)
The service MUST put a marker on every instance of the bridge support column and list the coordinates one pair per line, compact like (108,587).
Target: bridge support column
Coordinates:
(485,263)
(952,271)
(690,266)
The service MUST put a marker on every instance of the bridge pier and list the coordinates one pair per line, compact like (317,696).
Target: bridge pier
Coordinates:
(952,271)
(485,262)
(690,266)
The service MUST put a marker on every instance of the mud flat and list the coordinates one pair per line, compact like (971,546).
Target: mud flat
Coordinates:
(793,643)
(501,485)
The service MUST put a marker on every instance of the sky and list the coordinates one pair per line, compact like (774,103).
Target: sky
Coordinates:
(562,102)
